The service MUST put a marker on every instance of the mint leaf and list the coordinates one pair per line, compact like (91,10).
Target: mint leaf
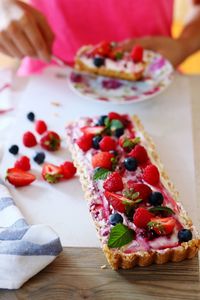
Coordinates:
(162,208)
(120,235)
(136,140)
(101,173)
(119,55)
(128,143)
(131,194)
(116,124)
(107,122)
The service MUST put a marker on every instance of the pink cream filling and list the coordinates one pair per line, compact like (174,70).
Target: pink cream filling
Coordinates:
(101,210)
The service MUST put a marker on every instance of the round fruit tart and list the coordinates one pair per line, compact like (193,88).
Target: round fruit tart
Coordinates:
(131,199)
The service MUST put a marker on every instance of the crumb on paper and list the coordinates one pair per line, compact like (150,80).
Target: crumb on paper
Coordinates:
(103,267)
(56,103)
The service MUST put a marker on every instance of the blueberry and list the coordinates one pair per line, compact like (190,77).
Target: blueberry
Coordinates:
(39,158)
(101,121)
(115,219)
(95,141)
(14,149)
(119,131)
(184,235)
(98,61)
(31,116)
(130,163)
(156,199)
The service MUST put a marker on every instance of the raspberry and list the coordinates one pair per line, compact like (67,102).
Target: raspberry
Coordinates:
(137,53)
(151,174)
(29,139)
(68,170)
(114,116)
(140,153)
(143,189)
(107,144)
(40,126)
(23,163)
(113,183)
(85,142)
(142,217)
(102,160)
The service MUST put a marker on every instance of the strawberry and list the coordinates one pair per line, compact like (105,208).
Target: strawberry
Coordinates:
(118,202)
(143,189)
(94,130)
(18,177)
(50,141)
(114,116)
(51,173)
(107,144)
(68,169)
(151,174)
(137,53)
(40,126)
(102,49)
(140,153)
(102,160)
(23,163)
(29,139)
(113,183)
(128,143)
(85,142)
(162,226)
(142,217)
(116,53)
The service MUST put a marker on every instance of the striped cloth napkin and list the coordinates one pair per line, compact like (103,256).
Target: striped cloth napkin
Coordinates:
(24,250)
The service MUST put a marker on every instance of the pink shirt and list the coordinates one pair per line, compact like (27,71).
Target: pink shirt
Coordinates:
(79,22)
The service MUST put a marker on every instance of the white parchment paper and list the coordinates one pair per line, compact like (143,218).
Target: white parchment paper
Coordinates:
(167,118)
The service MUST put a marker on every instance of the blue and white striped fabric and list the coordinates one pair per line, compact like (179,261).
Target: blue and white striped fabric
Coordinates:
(24,250)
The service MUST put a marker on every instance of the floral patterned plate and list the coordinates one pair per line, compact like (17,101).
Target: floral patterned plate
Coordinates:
(158,75)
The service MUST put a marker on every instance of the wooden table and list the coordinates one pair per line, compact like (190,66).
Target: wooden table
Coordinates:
(77,273)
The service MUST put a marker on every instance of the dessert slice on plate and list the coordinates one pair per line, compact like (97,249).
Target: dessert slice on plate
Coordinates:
(133,203)
(107,59)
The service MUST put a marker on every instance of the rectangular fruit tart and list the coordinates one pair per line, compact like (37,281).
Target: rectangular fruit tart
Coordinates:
(107,59)
(133,203)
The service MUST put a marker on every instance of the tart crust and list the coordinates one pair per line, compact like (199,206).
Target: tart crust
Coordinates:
(116,257)
(102,71)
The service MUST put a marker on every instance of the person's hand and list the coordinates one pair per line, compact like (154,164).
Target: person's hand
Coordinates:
(24,31)
(172,49)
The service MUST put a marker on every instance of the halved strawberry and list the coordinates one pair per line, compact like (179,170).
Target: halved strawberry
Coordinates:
(142,217)
(18,177)
(102,49)
(116,53)
(102,160)
(143,189)
(117,201)
(52,173)
(162,226)
(50,141)
(95,130)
